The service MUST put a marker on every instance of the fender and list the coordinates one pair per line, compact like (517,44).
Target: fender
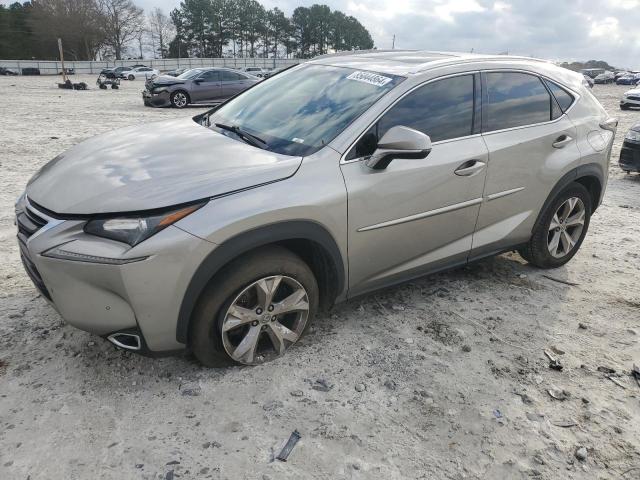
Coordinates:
(587,170)
(241,243)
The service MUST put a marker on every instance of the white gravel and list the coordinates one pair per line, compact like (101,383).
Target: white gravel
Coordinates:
(440,378)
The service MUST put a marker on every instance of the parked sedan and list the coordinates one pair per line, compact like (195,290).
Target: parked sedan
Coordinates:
(630,151)
(629,79)
(7,71)
(607,77)
(199,85)
(630,98)
(143,73)
(177,72)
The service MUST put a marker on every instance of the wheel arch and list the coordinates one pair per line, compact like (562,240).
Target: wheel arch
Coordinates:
(590,175)
(309,240)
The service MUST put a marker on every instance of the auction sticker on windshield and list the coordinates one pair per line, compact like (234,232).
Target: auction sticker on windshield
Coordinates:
(370,78)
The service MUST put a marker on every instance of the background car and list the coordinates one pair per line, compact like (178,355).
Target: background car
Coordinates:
(198,85)
(607,77)
(139,73)
(7,71)
(630,98)
(628,79)
(258,72)
(630,151)
(176,72)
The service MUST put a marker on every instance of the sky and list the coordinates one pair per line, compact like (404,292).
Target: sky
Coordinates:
(551,29)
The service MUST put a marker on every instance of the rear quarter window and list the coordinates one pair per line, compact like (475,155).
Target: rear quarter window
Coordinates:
(564,98)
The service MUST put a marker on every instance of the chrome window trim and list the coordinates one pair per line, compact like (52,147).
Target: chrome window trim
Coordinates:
(576,97)
(343,161)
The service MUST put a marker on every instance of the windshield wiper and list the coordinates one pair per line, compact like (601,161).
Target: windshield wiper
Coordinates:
(243,134)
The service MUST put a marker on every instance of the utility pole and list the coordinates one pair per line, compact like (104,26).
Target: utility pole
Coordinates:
(64,70)
(393,44)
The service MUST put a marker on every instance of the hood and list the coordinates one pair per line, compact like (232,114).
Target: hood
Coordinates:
(633,91)
(164,80)
(153,166)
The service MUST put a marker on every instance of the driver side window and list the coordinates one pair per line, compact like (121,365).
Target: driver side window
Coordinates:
(443,109)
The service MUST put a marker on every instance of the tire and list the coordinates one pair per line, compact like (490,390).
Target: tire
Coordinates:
(180,99)
(131,77)
(624,107)
(235,284)
(538,251)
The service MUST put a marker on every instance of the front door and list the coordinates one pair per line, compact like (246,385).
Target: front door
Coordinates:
(417,216)
(206,88)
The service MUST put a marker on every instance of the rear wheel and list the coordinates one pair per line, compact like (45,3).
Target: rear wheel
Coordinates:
(255,309)
(561,229)
(179,99)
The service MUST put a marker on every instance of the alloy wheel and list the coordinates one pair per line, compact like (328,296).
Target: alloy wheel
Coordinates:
(566,227)
(180,100)
(265,319)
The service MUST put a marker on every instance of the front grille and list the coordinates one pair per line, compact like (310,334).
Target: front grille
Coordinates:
(29,222)
(634,98)
(630,157)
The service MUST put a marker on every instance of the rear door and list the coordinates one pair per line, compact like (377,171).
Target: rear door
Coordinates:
(206,88)
(532,144)
(233,83)
(417,216)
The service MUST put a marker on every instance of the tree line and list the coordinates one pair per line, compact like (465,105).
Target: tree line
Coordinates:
(244,28)
(99,29)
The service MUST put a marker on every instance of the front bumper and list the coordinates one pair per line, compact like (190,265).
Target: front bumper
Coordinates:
(631,101)
(161,99)
(630,156)
(101,298)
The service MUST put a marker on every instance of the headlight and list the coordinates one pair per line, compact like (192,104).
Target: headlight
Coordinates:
(633,136)
(135,229)
(159,89)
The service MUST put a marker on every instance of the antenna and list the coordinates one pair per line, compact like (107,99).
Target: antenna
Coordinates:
(393,44)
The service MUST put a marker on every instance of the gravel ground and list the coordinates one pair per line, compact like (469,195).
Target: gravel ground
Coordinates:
(440,378)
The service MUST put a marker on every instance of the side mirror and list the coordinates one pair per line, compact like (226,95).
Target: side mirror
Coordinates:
(399,142)
(197,81)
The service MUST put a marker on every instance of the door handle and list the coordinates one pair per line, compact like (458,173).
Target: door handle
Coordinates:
(469,168)
(562,141)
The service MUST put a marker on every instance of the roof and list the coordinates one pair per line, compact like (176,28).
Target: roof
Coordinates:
(406,62)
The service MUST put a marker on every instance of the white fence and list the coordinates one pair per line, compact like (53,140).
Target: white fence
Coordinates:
(50,67)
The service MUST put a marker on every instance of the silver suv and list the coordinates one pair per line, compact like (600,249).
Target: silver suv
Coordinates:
(226,233)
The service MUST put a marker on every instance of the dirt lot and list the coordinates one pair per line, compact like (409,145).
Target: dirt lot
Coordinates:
(441,378)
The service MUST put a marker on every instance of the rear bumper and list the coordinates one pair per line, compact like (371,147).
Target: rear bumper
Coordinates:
(630,157)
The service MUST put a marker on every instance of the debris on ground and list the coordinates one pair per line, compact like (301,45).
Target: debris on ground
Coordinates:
(581,454)
(286,450)
(558,394)
(554,363)
(321,385)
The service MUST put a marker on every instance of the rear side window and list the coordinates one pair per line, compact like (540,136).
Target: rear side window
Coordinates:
(442,109)
(564,98)
(231,76)
(514,100)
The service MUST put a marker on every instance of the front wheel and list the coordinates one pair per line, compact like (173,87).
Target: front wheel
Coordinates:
(562,228)
(255,309)
(179,99)
(131,77)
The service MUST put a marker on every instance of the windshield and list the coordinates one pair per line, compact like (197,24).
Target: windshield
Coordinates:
(189,74)
(302,109)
